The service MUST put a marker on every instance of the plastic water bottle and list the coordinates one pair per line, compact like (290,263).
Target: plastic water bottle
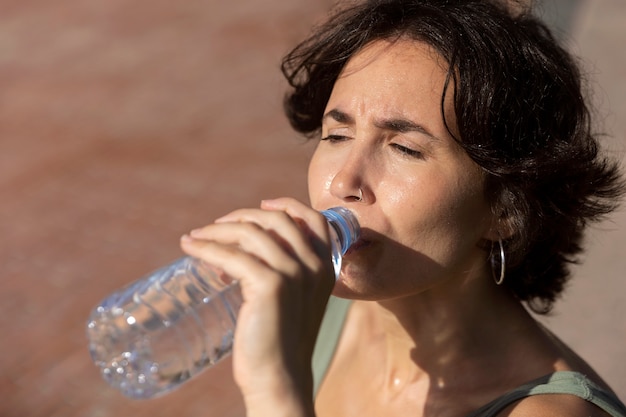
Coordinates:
(156,333)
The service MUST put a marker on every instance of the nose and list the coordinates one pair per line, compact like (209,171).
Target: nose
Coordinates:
(349,183)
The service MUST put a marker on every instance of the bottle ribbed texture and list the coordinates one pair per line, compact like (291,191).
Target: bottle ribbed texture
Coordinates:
(153,335)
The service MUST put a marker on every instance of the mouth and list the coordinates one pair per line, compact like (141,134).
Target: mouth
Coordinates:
(358,245)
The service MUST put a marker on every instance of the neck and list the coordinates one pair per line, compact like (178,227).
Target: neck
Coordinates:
(436,336)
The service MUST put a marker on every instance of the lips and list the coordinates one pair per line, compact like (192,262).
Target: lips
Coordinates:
(359,244)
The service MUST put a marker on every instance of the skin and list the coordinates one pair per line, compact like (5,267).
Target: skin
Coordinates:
(423,212)
(429,333)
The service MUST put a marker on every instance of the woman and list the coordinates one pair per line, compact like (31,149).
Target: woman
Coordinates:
(457,134)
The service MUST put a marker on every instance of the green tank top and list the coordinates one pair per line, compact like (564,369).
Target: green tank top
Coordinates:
(564,382)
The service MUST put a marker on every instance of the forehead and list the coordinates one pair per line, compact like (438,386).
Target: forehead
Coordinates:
(403,57)
(404,75)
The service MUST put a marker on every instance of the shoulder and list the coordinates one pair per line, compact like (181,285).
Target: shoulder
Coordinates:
(553,405)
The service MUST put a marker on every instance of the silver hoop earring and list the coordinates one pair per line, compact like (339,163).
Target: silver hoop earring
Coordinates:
(360,197)
(498,278)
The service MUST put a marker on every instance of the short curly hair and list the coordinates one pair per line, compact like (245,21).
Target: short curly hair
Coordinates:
(520,115)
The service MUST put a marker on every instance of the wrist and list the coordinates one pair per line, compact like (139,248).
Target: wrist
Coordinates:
(279,396)
(266,406)
(278,405)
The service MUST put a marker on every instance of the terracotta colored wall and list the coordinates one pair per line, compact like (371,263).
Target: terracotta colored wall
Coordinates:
(125,124)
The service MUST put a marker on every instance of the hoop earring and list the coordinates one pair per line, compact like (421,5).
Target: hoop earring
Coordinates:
(498,279)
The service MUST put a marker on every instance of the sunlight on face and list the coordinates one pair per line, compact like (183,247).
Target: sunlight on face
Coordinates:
(423,210)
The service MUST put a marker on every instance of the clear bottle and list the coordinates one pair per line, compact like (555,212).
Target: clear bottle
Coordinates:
(156,333)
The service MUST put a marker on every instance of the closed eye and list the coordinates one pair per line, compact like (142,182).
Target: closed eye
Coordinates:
(408,151)
(334,138)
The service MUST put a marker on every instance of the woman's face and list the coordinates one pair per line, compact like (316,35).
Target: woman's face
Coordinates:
(423,211)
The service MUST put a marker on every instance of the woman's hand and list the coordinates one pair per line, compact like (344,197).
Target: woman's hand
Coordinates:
(280,255)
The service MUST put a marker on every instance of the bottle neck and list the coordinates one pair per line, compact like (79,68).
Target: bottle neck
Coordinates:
(345,224)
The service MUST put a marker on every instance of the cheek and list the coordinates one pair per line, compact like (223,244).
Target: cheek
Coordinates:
(319,179)
(447,215)
(404,195)
(464,219)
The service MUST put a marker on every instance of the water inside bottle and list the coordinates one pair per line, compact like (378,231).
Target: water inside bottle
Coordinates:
(152,336)
(163,329)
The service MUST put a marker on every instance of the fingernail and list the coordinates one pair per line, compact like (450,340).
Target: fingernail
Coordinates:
(267,203)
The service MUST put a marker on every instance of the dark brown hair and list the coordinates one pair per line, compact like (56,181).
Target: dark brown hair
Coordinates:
(520,115)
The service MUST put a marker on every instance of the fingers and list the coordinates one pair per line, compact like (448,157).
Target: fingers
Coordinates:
(310,221)
(272,237)
(245,253)
(285,235)
(286,230)
(280,254)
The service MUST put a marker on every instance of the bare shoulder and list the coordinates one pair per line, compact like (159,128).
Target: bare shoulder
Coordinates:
(553,405)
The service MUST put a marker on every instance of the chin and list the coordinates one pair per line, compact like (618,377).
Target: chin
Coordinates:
(352,287)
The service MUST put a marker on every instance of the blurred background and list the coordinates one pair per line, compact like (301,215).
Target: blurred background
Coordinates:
(124,124)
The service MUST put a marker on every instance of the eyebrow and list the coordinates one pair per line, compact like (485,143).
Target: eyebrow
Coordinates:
(400,125)
(338,116)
